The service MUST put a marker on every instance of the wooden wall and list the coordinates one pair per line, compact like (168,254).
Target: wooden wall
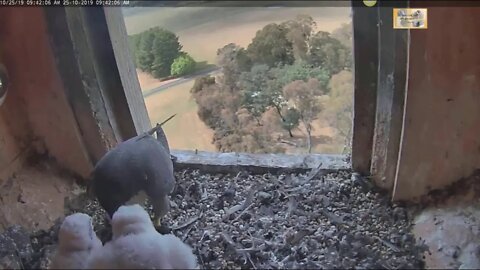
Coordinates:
(36,113)
(441,125)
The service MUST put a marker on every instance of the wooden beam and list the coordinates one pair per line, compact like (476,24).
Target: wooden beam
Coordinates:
(392,68)
(257,163)
(126,68)
(73,56)
(93,58)
(365,49)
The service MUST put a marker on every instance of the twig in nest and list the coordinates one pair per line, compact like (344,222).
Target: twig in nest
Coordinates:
(245,252)
(388,244)
(201,259)
(240,207)
(17,254)
(203,235)
(270,243)
(251,239)
(286,259)
(332,217)
(188,223)
(243,212)
(387,266)
(295,189)
(186,234)
(238,175)
(292,205)
(247,255)
(204,195)
(298,237)
(314,173)
(228,239)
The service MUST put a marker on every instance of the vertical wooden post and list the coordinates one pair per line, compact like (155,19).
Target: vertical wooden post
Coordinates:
(365,49)
(392,67)
(92,56)
(126,68)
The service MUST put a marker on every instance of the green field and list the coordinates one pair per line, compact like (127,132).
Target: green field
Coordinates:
(202,31)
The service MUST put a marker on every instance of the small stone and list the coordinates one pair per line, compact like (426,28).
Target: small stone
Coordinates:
(328,233)
(264,197)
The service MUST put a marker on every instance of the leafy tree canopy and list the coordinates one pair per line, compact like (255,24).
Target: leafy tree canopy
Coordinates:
(182,65)
(155,50)
(271,47)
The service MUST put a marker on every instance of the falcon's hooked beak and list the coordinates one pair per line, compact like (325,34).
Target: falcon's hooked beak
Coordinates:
(158,222)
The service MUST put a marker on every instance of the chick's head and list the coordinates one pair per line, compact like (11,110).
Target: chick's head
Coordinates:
(76,233)
(131,219)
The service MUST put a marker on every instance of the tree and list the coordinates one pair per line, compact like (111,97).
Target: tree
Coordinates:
(299,32)
(202,82)
(329,53)
(210,103)
(183,65)
(300,71)
(155,50)
(271,47)
(144,51)
(344,35)
(134,43)
(339,106)
(263,88)
(165,48)
(243,60)
(291,120)
(233,60)
(270,88)
(304,98)
(256,99)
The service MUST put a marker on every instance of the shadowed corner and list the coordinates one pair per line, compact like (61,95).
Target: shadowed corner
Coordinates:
(89,186)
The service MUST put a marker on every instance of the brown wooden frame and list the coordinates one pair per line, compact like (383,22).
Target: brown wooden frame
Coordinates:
(93,58)
(103,90)
(381,64)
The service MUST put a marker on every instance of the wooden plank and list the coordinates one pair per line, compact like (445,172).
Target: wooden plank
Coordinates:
(365,49)
(69,41)
(126,68)
(390,97)
(257,163)
(441,129)
(99,75)
(107,72)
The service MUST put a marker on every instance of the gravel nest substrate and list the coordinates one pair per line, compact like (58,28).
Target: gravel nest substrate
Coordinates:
(242,221)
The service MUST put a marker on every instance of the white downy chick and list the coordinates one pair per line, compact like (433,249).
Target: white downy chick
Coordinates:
(76,242)
(131,219)
(137,245)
